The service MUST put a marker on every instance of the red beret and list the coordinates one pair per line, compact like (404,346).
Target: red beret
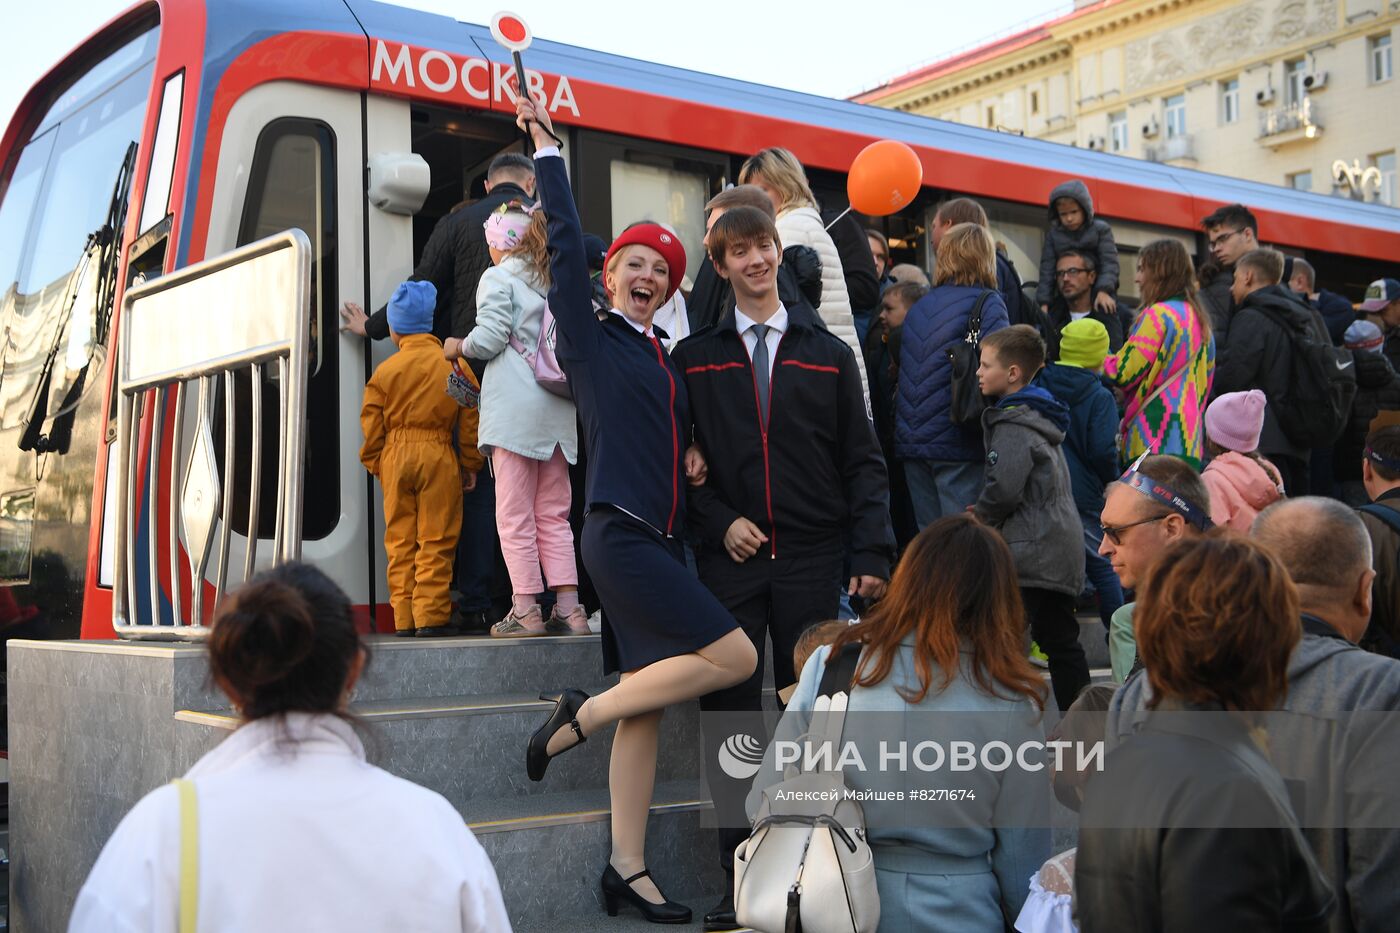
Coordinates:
(660,239)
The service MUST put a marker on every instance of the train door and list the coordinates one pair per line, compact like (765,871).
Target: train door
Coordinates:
(292,155)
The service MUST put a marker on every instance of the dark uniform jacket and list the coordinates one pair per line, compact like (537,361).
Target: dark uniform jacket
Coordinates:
(631,400)
(1119,325)
(808,476)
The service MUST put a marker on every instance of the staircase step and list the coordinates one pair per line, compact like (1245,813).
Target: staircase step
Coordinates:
(472,748)
(549,852)
(479,665)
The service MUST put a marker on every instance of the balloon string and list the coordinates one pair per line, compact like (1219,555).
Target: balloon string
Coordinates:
(837,218)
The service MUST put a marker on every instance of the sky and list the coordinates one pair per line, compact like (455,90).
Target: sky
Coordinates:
(814,49)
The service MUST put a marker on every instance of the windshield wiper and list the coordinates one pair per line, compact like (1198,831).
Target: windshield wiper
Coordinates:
(103,245)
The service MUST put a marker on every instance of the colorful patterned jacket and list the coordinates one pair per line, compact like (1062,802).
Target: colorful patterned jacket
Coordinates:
(1166,346)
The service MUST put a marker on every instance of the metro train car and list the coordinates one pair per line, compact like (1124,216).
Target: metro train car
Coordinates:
(183,129)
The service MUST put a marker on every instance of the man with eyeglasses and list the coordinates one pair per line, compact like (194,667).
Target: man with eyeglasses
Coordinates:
(1159,501)
(1231,232)
(1075,275)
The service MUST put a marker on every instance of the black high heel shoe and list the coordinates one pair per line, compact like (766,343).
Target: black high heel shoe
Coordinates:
(616,887)
(566,707)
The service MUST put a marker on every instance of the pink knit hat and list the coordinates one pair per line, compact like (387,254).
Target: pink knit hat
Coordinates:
(1235,419)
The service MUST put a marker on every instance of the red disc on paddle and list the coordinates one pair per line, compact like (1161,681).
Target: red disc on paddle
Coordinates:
(510,31)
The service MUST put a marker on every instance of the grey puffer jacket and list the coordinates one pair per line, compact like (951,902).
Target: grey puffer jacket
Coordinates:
(1326,745)
(1028,496)
(1094,238)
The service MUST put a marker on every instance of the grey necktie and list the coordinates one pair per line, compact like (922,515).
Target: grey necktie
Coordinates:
(760,368)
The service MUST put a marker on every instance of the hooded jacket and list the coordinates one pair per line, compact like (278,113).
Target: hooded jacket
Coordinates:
(1027,496)
(1260,355)
(1094,237)
(1329,679)
(1091,442)
(936,322)
(1240,488)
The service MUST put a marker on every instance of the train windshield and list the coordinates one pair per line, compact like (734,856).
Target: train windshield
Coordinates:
(60,232)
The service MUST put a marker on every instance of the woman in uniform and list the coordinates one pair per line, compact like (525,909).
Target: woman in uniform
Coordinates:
(670,639)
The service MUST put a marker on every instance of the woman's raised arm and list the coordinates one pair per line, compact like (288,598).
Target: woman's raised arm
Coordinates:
(571,291)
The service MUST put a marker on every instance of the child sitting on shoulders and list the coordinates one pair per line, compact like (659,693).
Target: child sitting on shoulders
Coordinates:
(1073,226)
(1241,482)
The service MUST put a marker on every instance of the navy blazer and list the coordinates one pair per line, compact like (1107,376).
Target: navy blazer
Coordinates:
(631,398)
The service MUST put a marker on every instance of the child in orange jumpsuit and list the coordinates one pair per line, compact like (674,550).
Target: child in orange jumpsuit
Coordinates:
(408,420)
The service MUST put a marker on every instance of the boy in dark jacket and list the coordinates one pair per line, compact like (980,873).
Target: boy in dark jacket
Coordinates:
(795,471)
(1091,444)
(882,346)
(1074,226)
(1028,498)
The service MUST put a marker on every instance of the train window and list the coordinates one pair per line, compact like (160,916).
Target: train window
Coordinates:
(292,184)
(84,181)
(647,181)
(156,203)
(18,209)
(673,197)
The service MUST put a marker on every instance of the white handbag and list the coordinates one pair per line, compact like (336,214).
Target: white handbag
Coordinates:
(807,867)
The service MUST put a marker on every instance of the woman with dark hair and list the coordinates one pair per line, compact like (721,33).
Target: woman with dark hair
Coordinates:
(942,656)
(1166,365)
(667,635)
(1189,827)
(285,826)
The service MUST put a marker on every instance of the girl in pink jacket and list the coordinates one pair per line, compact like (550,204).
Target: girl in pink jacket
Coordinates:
(1241,483)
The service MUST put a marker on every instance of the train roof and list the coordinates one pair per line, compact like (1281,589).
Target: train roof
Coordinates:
(712,112)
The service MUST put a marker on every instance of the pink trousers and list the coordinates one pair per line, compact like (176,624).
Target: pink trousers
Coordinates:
(532,517)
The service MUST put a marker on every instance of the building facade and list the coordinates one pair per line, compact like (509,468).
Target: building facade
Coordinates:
(1301,93)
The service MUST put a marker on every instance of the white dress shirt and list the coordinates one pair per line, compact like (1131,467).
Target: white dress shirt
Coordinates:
(777,326)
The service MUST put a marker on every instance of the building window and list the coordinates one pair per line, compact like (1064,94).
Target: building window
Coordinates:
(1176,116)
(1293,74)
(1230,101)
(1385,163)
(1035,102)
(1118,131)
(1300,181)
(991,118)
(1381,67)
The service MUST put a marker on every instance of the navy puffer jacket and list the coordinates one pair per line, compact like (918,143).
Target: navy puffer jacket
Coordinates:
(923,430)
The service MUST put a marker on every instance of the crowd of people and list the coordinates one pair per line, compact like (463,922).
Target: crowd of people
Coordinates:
(945,464)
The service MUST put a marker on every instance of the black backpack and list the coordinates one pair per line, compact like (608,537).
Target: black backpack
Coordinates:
(1321,385)
(1020,306)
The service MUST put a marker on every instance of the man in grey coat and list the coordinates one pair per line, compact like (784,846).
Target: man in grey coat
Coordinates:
(1334,742)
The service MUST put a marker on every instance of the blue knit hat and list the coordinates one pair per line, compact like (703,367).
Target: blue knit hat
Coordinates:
(411,308)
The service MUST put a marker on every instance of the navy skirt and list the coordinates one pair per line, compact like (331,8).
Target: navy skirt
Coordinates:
(653,606)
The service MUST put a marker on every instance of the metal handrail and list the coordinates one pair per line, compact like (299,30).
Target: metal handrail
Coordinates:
(198,328)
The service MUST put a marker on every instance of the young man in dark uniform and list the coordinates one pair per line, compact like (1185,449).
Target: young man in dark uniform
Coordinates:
(794,470)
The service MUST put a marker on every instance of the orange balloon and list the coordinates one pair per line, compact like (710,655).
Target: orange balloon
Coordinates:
(884,178)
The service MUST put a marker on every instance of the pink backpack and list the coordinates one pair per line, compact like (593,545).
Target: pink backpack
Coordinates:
(548,374)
